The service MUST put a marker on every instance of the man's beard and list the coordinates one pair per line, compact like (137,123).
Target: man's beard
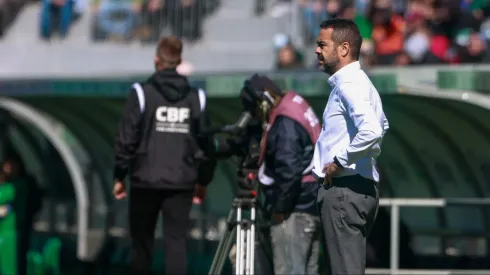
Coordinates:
(330,66)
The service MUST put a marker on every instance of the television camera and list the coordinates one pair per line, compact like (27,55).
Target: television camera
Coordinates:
(244,143)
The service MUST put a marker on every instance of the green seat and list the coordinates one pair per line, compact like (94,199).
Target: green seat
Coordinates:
(35,263)
(51,256)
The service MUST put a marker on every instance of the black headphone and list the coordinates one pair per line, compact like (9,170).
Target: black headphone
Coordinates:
(257,91)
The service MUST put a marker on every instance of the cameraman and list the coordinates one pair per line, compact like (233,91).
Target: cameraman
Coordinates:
(291,129)
(159,141)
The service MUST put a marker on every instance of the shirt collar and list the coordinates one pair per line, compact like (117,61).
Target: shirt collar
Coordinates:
(337,77)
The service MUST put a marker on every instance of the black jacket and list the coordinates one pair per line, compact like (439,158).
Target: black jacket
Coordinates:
(162,146)
(288,153)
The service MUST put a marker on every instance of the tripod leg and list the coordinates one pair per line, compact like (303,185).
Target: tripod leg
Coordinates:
(224,246)
(251,259)
(228,246)
(222,252)
(239,243)
(249,243)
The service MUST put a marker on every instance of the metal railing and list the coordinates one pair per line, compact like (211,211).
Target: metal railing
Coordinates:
(147,20)
(395,205)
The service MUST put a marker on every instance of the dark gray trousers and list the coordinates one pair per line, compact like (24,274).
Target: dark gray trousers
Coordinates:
(348,209)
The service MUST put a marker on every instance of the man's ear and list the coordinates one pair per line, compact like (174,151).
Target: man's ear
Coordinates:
(344,49)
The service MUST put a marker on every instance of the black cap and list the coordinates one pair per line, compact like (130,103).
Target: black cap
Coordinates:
(253,91)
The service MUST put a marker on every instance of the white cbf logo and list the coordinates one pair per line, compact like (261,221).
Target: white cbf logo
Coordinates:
(172,119)
(172,114)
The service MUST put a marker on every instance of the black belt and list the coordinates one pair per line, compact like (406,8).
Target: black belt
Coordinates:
(348,180)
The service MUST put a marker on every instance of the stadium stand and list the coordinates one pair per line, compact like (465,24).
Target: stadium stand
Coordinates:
(226,40)
(237,35)
(413,32)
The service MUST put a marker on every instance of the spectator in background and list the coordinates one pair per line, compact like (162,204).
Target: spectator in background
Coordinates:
(441,51)
(191,13)
(403,59)
(8,232)
(184,17)
(153,19)
(348,11)
(115,18)
(361,6)
(314,12)
(388,31)
(476,7)
(451,27)
(485,30)
(27,204)
(353,10)
(56,14)
(418,37)
(410,32)
(448,19)
(475,50)
(288,58)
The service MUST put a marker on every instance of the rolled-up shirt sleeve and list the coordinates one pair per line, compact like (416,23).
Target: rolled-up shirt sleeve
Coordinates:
(357,103)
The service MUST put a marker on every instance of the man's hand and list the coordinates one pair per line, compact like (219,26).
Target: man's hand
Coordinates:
(199,193)
(119,190)
(331,170)
(279,217)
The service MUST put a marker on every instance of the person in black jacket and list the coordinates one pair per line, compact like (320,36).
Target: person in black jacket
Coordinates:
(160,142)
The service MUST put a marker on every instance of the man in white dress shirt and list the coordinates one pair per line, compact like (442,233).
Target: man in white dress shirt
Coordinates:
(346,151)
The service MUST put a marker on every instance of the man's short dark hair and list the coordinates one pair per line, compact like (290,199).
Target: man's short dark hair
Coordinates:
(169,50)
(345,30)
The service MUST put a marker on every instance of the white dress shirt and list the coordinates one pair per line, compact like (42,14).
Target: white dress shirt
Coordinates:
(353,125)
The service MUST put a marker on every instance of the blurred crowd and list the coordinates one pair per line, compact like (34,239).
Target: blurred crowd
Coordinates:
(126,20)
(147,20)
(395,32)
(409,32)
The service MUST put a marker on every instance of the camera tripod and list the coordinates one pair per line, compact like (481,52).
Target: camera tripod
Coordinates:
(245,230)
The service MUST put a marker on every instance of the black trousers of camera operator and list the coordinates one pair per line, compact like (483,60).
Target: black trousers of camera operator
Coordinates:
(144,207)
